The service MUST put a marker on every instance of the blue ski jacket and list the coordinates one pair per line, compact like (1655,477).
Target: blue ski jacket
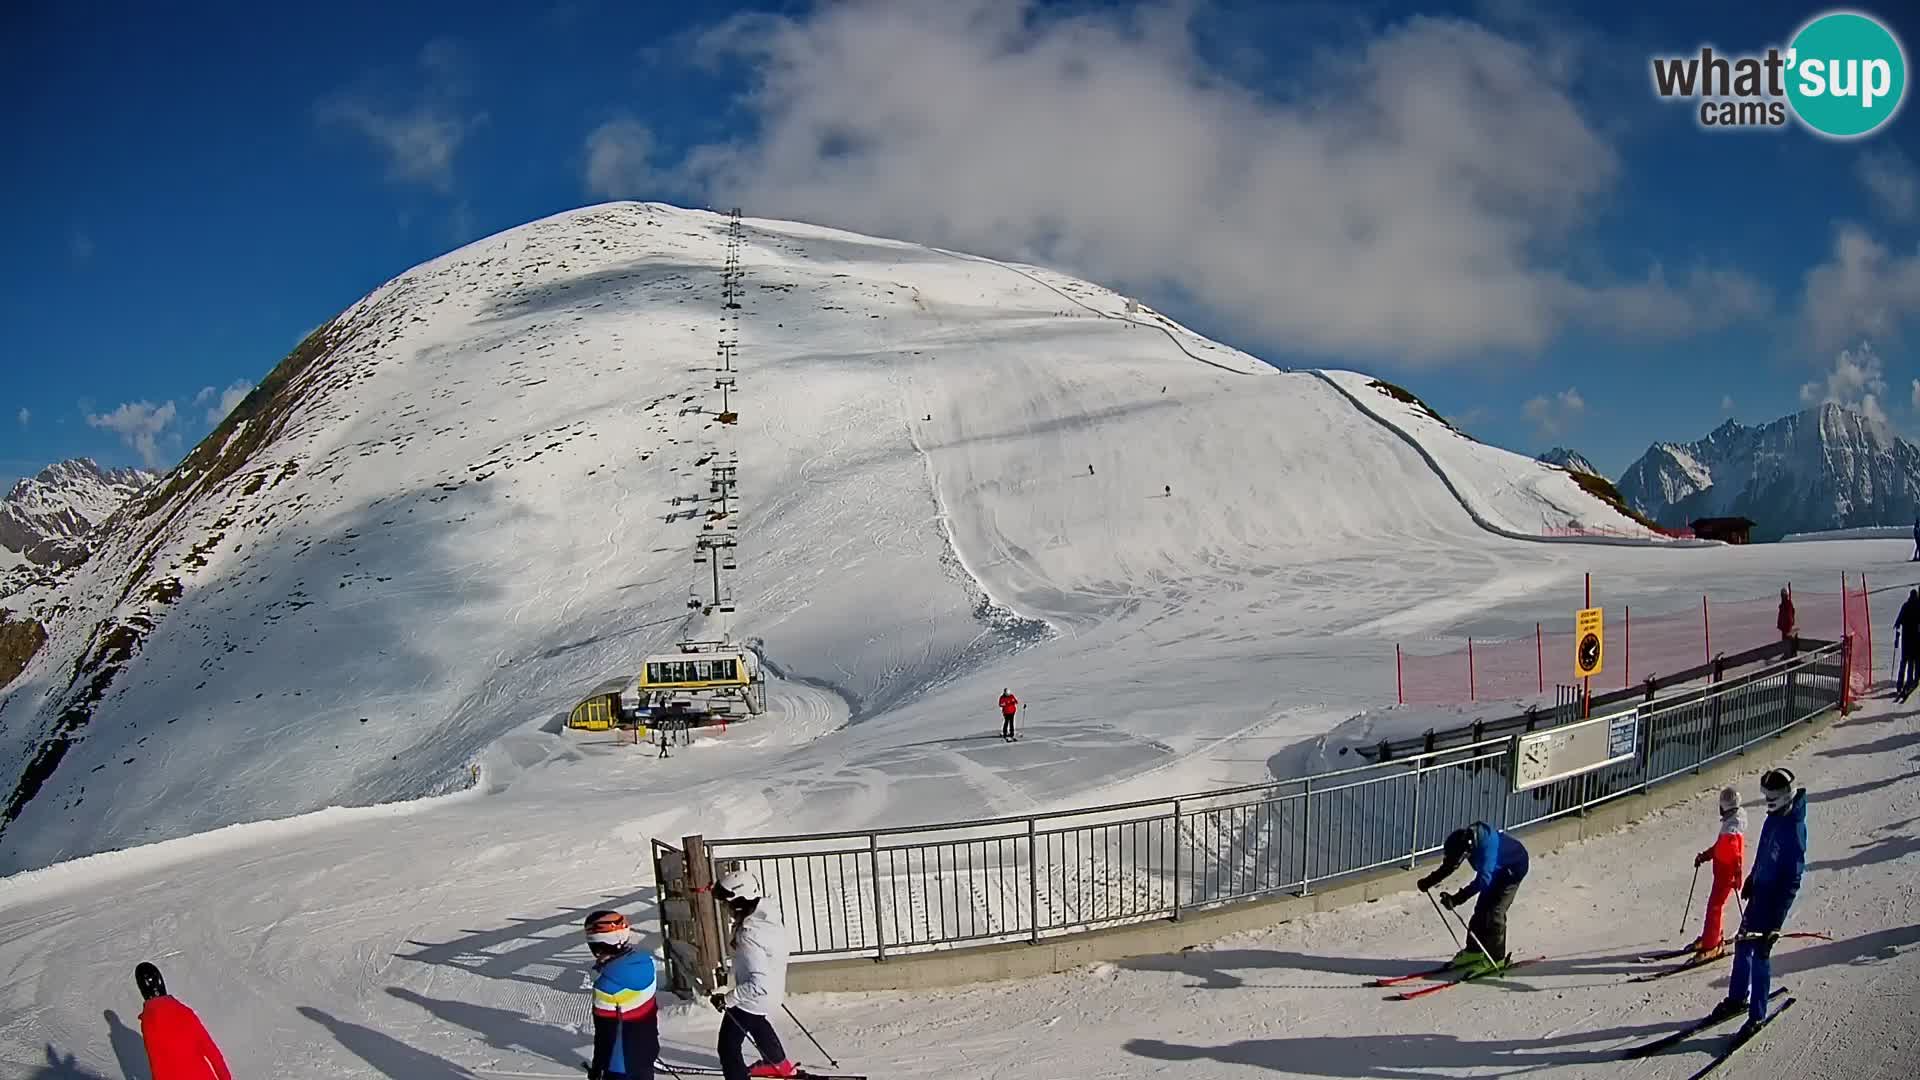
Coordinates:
(1779,861)
(1494,852)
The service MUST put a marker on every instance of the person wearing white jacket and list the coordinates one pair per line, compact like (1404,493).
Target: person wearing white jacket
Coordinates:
(759,975)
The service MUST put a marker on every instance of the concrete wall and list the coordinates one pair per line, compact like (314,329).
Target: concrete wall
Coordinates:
(1023,960)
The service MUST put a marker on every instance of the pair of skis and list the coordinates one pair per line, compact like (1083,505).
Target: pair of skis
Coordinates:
(1439,972)
(708,1070)
(1728,1046)
(1695,961)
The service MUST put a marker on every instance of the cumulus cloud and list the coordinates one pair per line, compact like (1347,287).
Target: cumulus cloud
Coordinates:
(141,425)
(219,403)
(1554,415)
(25,416)
(618,159)
(1863,290)
(418,132)
(1857,380)
(1889,178)
(1414,195)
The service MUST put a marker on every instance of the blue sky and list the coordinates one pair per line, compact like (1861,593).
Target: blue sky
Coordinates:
(1519,231)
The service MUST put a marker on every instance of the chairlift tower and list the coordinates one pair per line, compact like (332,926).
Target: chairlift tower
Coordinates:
(717,551)
(725,385)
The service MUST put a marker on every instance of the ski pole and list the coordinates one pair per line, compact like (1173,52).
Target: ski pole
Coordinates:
(1688,914)
(809,1035)
(1443,920)
(1474,940)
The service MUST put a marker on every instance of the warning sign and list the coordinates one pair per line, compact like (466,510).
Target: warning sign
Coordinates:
(1588,653)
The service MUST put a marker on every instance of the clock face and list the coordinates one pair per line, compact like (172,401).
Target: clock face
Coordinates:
(1589,652)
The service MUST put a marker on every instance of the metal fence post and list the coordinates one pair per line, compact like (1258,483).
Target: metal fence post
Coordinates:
(1306,837)
(1033,884)
(1176,860)
(873,866)
(1413,830)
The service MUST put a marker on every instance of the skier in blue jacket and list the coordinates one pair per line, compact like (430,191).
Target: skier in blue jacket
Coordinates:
(1778,863)
(1499,866)
(626,1021)
(1498,869)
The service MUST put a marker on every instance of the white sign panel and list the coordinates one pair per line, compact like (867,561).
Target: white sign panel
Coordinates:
(1541,757)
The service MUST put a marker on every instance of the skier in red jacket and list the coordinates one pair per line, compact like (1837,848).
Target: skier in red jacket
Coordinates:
(1785,622)
(1008,705)
(1727,854)
(178,1046)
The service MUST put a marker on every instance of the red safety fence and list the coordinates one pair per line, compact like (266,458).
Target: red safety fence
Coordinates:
(1634,647)
(1624,534)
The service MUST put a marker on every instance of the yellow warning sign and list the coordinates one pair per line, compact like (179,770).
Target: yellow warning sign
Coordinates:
(1588,651)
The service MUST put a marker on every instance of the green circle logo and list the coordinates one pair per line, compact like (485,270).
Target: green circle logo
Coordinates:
(1848,74)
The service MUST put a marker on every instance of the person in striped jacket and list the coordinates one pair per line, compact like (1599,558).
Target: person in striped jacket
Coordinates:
(1728,856)
(626,1020)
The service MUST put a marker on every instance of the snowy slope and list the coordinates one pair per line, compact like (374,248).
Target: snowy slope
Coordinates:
(440,940)
(472,497)
(1509,492)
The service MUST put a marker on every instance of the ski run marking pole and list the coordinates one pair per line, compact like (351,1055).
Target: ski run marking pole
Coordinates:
(1687,914)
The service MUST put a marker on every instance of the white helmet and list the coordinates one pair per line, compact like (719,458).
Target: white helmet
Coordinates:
(739,885)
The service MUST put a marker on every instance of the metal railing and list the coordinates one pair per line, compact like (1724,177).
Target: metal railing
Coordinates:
(913,889)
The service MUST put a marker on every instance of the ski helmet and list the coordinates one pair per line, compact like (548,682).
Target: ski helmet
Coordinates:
(738,885)
(608,929)
(1459,842)
(147,978)
(1777,785)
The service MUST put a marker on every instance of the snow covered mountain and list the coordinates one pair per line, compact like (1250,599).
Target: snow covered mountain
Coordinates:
(1823,468)
(1571,460)
(44,517)
(474,495)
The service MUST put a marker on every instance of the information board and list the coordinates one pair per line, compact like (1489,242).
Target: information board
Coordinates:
(1541,757)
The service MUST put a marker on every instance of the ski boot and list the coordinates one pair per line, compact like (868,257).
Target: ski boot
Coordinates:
(1727,1009)
(1470,962)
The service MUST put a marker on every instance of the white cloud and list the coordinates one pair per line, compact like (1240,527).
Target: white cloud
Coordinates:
(223,400)
(421,138)
(1417,195)
(1857,380)
(1554,415)
(1726,403)
(1890,179)
(1864,290)
(1916,395)
(141,425)
(25,416)
(617,159)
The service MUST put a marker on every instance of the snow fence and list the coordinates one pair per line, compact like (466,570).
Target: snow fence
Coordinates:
(914,889)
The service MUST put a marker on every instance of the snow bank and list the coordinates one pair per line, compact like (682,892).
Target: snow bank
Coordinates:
(1867,532)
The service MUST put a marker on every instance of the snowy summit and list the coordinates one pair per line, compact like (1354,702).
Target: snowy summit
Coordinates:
(473,496)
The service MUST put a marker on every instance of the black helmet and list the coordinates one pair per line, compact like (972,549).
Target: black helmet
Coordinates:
(147,978)
(1459,842)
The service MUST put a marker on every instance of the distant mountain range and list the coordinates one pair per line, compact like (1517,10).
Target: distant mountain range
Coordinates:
(1828,467)
(1570,460)
(44,520)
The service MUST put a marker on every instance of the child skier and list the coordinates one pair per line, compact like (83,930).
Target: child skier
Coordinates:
(1727,853)
(1499,866)
(178,1046)
(626,1018)
(1778,863)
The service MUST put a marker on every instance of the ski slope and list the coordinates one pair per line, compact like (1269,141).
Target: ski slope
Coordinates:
(473,497)
(463,517)
(440,940)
